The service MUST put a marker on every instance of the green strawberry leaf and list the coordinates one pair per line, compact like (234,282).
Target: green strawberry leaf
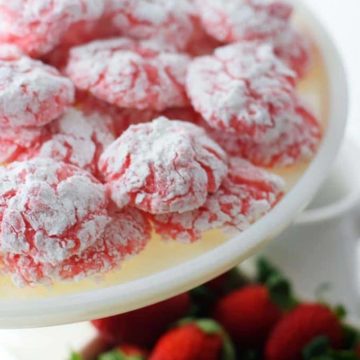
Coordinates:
(250,355)
(319,349)
(209,326)
(265,270)
(316,348)
(75,356)
(345,355)
(203,300)
(281,293)
(340,312)
(279,287)
(342,355)
(118,355)
(185,321)
(351,336)
(235,280)
(112,355)
(228,350)
(204,297)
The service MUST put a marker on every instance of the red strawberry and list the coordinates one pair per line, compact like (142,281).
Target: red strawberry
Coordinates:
(357,351)
(298,328)
(227,282)
(142,327)
(200,340)
(204,297)
(218,284)
(248,315)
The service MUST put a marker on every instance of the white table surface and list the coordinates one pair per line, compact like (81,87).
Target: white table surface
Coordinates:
(342,19)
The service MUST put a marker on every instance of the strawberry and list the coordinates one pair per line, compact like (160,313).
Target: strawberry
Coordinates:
(320,349)
(357,351)
(131,350)
(227,282)
(124,352)
(194,340)
(248,315)
(299,328)
(204,297)
(142,327)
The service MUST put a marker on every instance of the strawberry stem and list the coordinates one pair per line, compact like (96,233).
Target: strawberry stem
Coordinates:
(281,294)
(320,349)
(279,287)
(209,326)
(119,355)
(75,356)
(266,270)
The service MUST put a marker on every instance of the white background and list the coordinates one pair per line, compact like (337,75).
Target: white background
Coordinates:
(342,18)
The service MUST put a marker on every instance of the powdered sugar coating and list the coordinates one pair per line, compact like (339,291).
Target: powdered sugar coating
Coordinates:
(237,20)
(10,52)
(49,210)
(126,235)
(165,22)
(163,166)
(294,49)
(37,26)
(31,93)
(245,195)
(20,143)
(241,88)
(128,74)
(298,141)
(79,139)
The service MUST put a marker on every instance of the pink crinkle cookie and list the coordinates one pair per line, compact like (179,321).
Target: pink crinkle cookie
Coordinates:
(10,52)
(37,26)
(126,235)
(245,195)
(50,210)
(31,94)
(294,49)
(165,22)
(237,20)
(20,143)
(163,166)
(128,74)
(78,139)
(298,141)
(241,88)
